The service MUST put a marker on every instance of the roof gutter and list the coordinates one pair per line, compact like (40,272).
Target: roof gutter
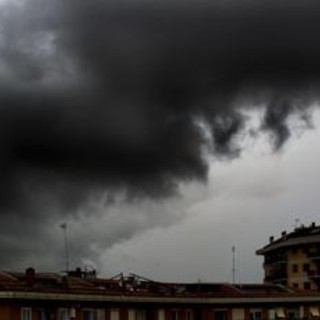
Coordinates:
(172,300)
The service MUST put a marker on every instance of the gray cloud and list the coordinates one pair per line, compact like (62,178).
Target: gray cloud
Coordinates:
(100,95)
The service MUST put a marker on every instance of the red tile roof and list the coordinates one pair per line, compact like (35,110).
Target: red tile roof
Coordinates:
(129,286)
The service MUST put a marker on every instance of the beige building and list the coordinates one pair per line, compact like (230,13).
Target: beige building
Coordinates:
(293,259)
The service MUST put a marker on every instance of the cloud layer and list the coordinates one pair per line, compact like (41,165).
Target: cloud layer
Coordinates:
(106,96)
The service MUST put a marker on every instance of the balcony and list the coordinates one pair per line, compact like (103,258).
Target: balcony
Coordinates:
(273,263)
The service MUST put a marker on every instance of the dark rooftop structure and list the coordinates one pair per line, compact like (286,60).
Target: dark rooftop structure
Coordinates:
(84,282)
(82,295)
(293,259)
(300,236)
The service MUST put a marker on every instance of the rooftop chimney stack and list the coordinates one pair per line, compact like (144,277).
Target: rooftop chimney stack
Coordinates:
(30,275)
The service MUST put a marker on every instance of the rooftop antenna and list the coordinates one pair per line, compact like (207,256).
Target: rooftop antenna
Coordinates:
(233,265)
(64,227)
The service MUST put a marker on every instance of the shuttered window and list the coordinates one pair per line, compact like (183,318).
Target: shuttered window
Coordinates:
(26,314)
(114,314)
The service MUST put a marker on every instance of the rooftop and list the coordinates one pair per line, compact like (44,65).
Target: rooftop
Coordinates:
(81,282)
(299,236)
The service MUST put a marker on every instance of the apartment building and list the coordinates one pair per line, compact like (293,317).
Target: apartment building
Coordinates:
(293,259)
(81,295)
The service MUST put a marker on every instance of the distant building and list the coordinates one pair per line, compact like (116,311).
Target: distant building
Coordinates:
(80,295)
(293,259)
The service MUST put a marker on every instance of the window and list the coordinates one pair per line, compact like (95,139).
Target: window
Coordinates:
(307,285)
(255,315)
(141,315)
(295,268)
(63,314)
(220,315)
(271,314)
(291,315)
(295,285)
(174,315)
(26,314)
(94,314)
(189,315)
(132,314)
(238,314)
(314,312)
(306,267)
(101,314)
(313,250)
(161,314)
(72,313)
(45,315)
(114,314)
(88,315)
(280,313)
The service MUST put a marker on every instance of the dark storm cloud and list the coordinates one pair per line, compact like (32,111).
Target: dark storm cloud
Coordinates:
(138,75)
(98,95)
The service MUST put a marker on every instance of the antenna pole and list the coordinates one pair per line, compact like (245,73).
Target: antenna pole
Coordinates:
(64,227)
(233,265)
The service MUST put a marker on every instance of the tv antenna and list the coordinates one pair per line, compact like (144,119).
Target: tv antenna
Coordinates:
(64,227)
(233,264)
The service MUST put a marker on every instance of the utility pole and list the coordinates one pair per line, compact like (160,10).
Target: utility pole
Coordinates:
(63,226)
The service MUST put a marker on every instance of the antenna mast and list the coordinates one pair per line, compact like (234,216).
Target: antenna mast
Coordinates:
(64,227)
(233,265)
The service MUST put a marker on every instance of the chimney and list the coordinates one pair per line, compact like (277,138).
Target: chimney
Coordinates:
(271,239)
(283,233)
(65,282)
(313,225)
(77,273)
(30,275)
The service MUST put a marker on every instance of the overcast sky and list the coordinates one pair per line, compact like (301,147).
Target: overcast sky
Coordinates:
(246,200)
(162,133)
(188,238)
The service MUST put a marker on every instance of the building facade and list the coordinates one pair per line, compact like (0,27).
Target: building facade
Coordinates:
(293,259)
(290,291)
(81,295)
